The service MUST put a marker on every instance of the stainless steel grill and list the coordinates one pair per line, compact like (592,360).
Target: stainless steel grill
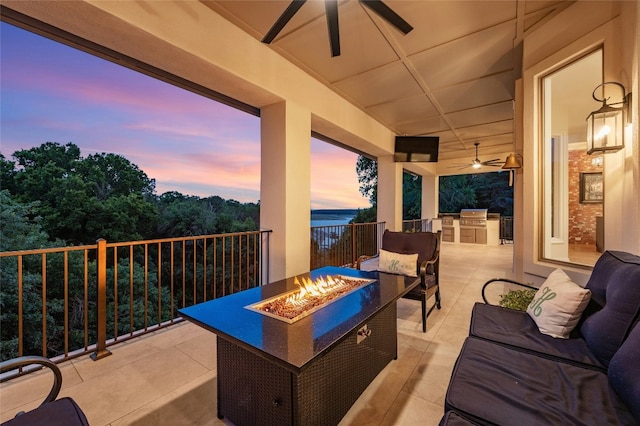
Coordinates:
(473,226)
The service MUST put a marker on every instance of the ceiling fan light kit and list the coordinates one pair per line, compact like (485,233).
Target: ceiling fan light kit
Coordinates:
(477,164)
(331,9)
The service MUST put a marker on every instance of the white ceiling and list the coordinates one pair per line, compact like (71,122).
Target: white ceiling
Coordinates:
(453,76)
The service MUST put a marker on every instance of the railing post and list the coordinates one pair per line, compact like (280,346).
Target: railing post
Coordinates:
(353,244)
(101,302)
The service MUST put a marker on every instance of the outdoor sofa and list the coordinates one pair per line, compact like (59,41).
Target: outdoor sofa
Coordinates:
(510,372)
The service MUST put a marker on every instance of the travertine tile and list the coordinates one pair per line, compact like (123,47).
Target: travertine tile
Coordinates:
(168,377)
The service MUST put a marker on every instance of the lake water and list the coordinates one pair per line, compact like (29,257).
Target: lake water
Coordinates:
(333,222)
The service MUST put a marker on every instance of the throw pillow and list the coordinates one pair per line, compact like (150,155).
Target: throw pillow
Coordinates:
(397,263)
(558,304)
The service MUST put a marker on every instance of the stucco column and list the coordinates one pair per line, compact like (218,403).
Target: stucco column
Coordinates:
(285,188)
(390,193)
(430,193)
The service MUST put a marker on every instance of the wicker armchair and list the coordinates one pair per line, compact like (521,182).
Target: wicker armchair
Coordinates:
(427,245)
(52,411)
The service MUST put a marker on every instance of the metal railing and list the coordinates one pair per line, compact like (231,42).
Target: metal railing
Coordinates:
(416,225)
(341,245)
(65,302)
(506,229)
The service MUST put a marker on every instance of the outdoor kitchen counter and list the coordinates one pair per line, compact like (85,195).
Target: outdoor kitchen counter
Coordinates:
(294,346)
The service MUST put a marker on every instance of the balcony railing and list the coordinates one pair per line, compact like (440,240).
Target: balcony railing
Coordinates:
(341,245)
(65,302)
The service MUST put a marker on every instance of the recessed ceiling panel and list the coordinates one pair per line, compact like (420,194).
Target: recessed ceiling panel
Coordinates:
(489,130)
(439,22)
(490,51)
(485,114)
(422,126)
(400,110)
(381,85)
(485,91)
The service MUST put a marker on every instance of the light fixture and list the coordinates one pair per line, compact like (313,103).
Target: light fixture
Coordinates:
(605,127)
(512,163)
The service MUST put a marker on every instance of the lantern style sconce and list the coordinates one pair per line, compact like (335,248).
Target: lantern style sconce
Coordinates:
(605,127)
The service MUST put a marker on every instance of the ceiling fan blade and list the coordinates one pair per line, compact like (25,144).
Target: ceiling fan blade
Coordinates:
(388,15)
(286,16)
(331,6)
(488,162)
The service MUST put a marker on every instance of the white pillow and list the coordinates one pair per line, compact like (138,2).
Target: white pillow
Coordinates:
(396,263)
(558,304)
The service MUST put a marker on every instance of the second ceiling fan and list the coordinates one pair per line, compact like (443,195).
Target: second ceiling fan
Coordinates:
(477,164)
(331,8)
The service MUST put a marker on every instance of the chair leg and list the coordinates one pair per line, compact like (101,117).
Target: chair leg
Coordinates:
(438,305)
(424,314)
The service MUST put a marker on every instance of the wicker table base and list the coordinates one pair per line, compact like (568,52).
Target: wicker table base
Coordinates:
(253,390)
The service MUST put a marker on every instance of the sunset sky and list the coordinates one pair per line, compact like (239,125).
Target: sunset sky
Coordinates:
(187,143)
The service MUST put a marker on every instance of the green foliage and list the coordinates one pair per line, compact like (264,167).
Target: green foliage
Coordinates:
(52,197)
(368,215)
(517,299)
(482,190)
(367,170)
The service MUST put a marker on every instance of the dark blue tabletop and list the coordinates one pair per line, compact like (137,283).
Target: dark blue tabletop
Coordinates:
(294,345)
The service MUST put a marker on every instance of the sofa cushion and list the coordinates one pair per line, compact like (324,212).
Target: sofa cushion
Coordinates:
(624,372)
(558,304)
(517,329)
(496,384)
(397,263)
(615,284)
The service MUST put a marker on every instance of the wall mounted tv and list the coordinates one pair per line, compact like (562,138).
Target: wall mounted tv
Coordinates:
(416,149)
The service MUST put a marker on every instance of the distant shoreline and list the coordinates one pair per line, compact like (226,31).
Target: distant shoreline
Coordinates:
(332,214)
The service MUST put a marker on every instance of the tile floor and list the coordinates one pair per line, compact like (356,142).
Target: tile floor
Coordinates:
(169,377)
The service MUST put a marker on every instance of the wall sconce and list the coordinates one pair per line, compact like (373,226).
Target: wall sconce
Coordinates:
(605,127)
(512,163)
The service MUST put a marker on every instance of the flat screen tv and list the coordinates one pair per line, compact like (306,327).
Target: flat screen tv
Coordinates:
(416,149)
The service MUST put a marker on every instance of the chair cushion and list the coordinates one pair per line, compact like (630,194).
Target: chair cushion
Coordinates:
(61,412)
(517,329)
(397,263)
(558,304)
(615,284)
(624,372)
(496,384)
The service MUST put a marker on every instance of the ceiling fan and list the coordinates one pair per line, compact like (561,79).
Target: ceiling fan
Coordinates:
(331,8)
(477,164)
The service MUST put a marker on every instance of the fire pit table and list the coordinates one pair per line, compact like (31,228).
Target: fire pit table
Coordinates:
(309,370)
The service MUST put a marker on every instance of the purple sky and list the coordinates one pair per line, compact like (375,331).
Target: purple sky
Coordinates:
(187,143)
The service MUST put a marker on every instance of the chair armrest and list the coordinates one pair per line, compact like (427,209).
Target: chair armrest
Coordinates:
(364,258)
(506,280)
(15,363)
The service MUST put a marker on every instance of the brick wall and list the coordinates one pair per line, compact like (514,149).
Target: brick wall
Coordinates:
(582,217)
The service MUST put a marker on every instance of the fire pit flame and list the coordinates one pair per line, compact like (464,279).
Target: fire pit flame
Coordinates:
(310,296)
(317,288)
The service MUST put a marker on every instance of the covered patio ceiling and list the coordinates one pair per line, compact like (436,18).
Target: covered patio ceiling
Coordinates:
(452,76)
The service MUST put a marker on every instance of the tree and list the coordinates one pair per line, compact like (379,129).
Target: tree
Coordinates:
(367,170)
(456,194)
(81,200)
